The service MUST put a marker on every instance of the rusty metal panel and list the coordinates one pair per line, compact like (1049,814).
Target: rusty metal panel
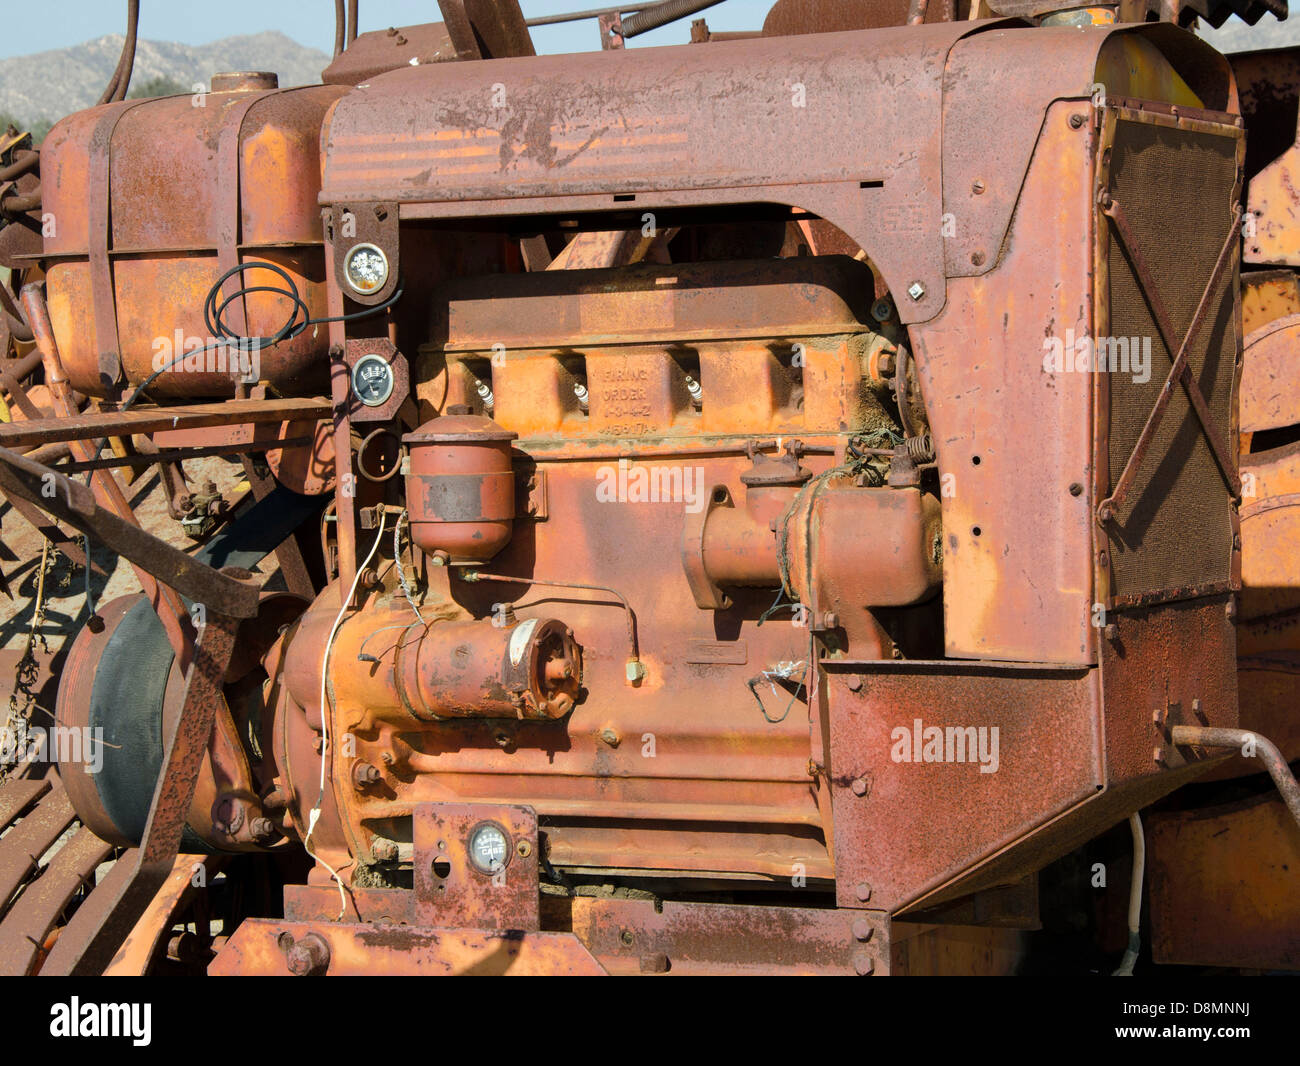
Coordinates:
(1017,552)
(1223,886)
(407,950)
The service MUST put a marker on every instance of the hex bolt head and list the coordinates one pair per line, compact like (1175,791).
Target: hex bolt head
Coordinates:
(859,786)
(383,850)
(308,957)
(863,964)
(364,773)
(635,671)
(863,891)
(916,290)
(855,683)
(264,830)
(610,737)
(861,929)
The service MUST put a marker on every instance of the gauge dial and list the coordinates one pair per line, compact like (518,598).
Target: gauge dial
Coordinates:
(372,380)
(366,268)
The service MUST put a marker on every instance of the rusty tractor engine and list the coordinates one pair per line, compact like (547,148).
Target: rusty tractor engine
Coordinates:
(745,506)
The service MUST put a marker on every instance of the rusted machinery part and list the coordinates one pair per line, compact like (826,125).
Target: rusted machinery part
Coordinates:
(353,18)
(93,936)
(656,15)
(340,27)
(1244,740)
(24,162)
(74,504)
(144,944)
(121,80)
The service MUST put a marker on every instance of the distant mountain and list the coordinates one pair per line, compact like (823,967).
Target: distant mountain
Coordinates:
(1235,36)
(49,85)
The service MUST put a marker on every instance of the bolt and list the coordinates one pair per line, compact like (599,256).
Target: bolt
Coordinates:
(1077,121)
(635,671)
(864,892)
(627,938)
(916,290)
(859,786)
(977,187)
(1076,489)
(524,848)
(862,929)
(863,965)
(610,737)
(364,773)
(307,957)
(383,850)
(977,258)
(830,620)
(855,683)
(880,310)
(228,815)
(264,830)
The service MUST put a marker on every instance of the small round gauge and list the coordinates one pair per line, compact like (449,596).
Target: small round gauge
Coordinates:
(366,268)
(489,847)
(372,380)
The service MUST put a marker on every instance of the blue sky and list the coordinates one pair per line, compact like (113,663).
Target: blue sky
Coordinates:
(39,27)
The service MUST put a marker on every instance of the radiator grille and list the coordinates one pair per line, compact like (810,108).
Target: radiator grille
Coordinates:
(1173,535)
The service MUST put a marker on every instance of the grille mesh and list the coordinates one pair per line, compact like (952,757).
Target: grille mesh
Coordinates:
(1176,188)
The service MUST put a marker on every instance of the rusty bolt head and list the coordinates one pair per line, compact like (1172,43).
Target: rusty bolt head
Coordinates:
(859,786)
(635,671)
(610,737)
(308,957)
(830,620)
(1077,121)
(264,830)
(863,964)
(977,187)
(228,815)
(364,773)
(524,848)
(916,290)
(863,891)
(861,929)
(383,850)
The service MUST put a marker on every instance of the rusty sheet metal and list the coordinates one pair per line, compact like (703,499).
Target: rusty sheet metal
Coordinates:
(150,420)
(467,897)
(93,936)
(1267,295)
(486,29)
(17,796)
(583,129)
(406,950)
(904,828)
(642,936)
(1223,886)
(380,51)
(29,921)
(141,947)
(1017,552)
(22,847)
(913,834)
(1270,376)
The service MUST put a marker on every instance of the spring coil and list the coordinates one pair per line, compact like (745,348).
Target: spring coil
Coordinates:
(920,449)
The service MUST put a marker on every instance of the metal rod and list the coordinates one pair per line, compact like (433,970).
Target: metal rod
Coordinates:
(651,18)
(1274,763)
(577,16)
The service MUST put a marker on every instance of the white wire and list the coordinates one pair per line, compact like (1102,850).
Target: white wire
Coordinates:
(1125,968)
(314,814)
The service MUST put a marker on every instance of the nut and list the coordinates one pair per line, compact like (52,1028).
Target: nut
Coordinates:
(916,290)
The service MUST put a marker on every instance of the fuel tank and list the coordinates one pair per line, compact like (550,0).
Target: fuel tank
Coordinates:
(148,202)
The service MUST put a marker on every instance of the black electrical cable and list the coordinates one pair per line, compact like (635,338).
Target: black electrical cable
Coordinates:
(293,326)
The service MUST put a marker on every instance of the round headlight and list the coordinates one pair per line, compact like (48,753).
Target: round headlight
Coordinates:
(366,268)
(489,847)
